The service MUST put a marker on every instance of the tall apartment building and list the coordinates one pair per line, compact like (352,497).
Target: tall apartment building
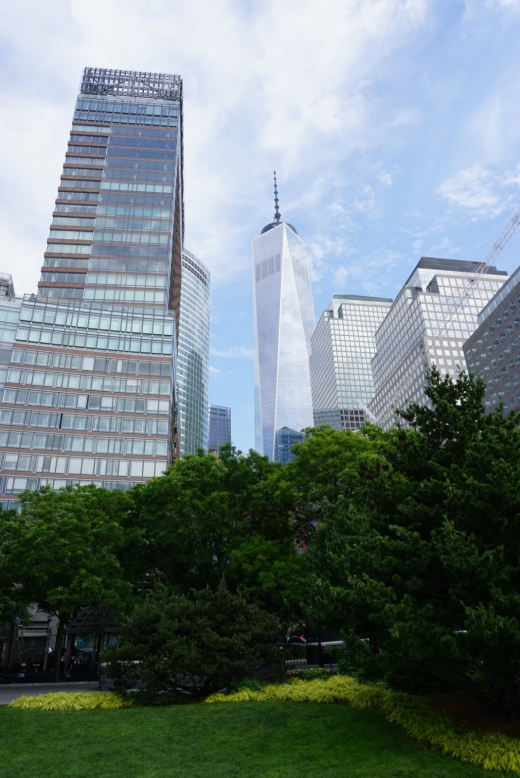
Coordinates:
(89,393)
(342,348)
(283,312)
(193,356)
(493,351)
(219,426)
(415,319)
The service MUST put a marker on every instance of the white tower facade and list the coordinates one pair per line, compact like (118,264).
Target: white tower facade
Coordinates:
(283,325)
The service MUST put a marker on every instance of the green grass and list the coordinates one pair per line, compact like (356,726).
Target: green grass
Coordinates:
(264,740)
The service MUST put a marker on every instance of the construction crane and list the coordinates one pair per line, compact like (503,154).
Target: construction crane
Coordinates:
(465,294)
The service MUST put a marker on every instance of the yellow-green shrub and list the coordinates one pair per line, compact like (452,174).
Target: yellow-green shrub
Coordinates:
(71,701)
(491,751)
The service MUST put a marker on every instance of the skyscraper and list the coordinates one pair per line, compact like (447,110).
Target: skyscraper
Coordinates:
(411,329)
(493,351)
(193,356)
(219,426)
(342,349)
(89,393)
(283,324)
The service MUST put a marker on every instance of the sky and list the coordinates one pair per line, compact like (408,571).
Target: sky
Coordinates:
(394,127)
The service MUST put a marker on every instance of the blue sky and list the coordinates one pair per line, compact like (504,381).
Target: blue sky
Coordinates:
(394,126)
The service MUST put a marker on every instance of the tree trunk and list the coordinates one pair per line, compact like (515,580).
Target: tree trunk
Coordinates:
(57,652)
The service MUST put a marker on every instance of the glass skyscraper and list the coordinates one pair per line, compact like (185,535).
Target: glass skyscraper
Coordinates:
(219,426)
(416,319)
(342,349)
(89,392)
(283,324)
(193,356)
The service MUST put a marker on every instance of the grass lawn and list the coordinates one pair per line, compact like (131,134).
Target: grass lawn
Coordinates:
(264,740)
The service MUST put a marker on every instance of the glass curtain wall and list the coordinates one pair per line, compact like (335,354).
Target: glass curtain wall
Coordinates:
(283,325)
(193,356)
(95,352)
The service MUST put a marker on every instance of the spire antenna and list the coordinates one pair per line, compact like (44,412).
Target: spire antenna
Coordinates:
(277,216)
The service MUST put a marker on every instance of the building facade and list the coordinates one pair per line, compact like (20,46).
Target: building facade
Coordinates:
(89,391)
(493,351)
(283,313)
(284,440)
(408,343)
(219,427)
(342,350)
(193,356)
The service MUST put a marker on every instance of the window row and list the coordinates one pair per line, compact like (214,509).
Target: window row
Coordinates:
(60,292)
(89,128)
(124,186)
(68,248)
(148,225)
(124,295)
(52,441)
(130,237)
(137,199)
(144,143)
(139,176)
(100,150)
(49,315)
(34,463)
(66,262)
(82,423)
(110,106)
(115,163)
(148,154)
(267,268)
(50,337)
(74,159)
(130,250)
(15,485)
(79,184)
(88,382)
(134,212)
(125,118)
(129,265)
(85,401)
(74,221)
(99,364)
(69,172)
(83,196)
(70,235)
(129,279)
(63,278)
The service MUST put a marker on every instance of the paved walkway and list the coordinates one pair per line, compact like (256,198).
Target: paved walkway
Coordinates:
(9,692)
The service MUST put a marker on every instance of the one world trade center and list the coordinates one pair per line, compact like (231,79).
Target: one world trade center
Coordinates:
(283,324)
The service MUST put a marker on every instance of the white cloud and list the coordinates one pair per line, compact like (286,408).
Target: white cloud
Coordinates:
(475,190)
(386,179)
(233,352)
(286,84)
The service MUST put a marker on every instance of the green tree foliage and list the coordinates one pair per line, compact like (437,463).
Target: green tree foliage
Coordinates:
(210,518)
(418,558)
(177,646)
(64,556)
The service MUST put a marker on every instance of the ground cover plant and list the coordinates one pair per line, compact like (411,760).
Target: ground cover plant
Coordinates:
(253,740)
(71,701)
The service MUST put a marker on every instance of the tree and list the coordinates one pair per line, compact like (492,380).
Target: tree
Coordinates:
(64,557)
(420,553)
(185,526)
(178,646)
(11,599)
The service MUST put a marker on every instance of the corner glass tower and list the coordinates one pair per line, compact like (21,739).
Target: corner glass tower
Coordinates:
(89,393)
(193,356)
(283,325)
